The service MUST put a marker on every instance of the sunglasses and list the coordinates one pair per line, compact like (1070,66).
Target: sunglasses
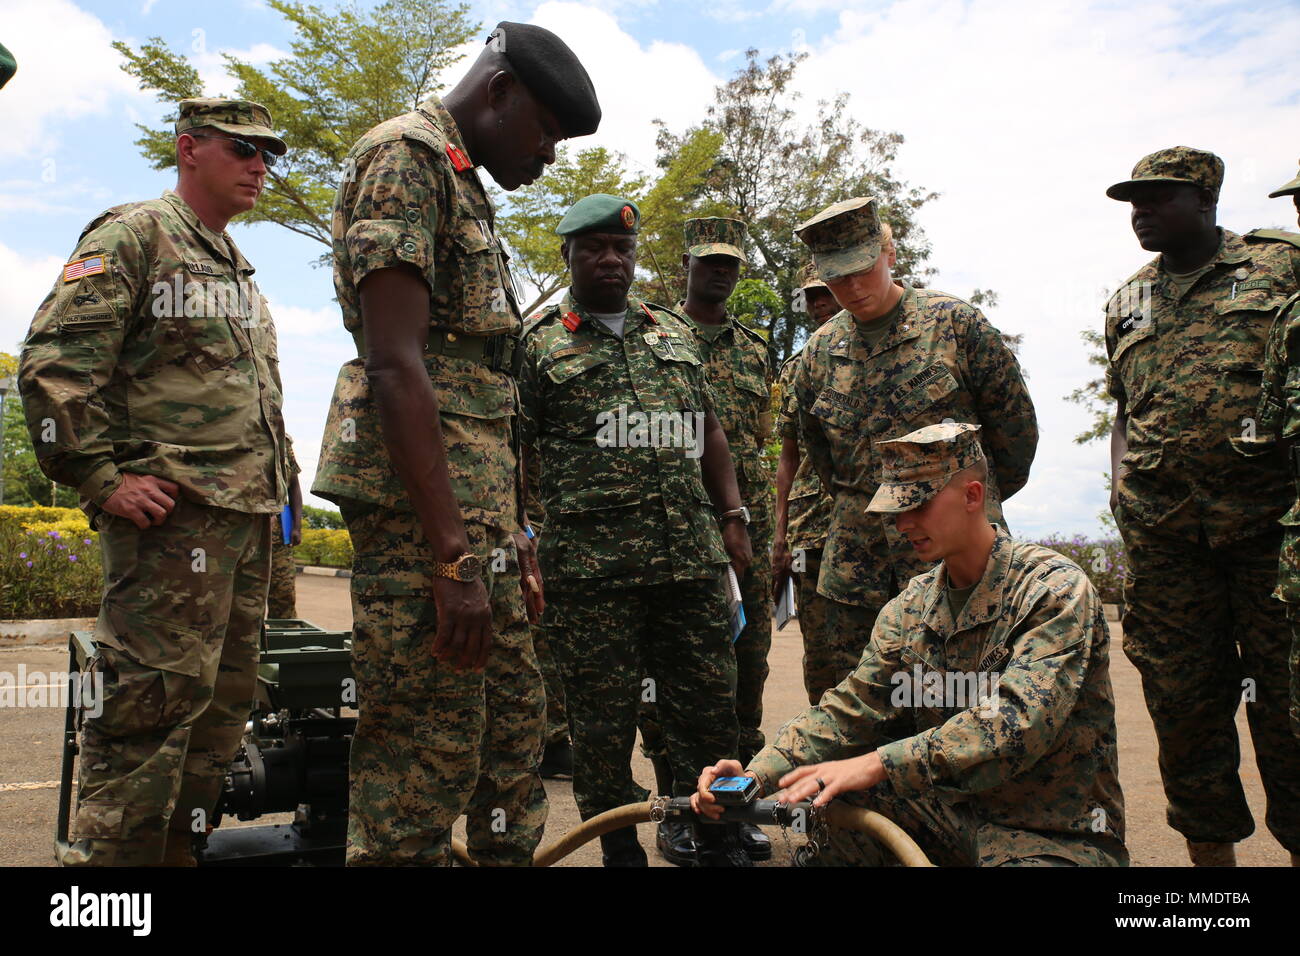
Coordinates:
(243,148)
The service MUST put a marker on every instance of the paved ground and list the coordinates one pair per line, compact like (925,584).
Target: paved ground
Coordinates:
(29,754)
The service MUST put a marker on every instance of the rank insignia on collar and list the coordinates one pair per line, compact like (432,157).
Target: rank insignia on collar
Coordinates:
(571,321)
(459,161)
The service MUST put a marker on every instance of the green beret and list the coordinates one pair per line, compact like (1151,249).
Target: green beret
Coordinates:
(8,65)
(600,212)
(545,64)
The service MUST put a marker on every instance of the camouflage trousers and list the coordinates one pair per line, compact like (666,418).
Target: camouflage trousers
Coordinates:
(178,641)
(557,719)
(824,664)
(1204,632)
(617,646)
(950,834)
(433,742)
(845,631)
(281,602)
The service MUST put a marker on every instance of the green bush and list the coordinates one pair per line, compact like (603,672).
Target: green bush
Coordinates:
(1103,561)
(321,518)
(324,547)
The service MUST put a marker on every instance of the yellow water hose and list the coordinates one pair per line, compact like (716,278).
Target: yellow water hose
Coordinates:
(843,815)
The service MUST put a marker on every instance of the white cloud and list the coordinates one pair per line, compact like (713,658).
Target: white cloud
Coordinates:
(66,71)
(28,280)
(635,84)
(217,80)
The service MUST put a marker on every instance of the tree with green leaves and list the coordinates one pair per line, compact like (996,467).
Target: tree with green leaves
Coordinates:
(349,70)
(773,173)
(24,482)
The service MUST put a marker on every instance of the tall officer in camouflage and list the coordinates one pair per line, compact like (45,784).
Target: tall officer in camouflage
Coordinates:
(281,599)
(1186,336)
(1291,189)
(157,312)
(419,454)
(895,359)
(615,402)
(739,370)
(803,510)
(980,717)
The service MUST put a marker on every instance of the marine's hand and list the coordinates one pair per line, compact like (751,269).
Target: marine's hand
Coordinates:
(703,802)
(839,776)
(735,538)
(144,499)
(781,561)
(464,635)
(530,577)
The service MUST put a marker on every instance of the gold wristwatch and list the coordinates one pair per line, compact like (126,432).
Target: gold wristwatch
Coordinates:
(464,569)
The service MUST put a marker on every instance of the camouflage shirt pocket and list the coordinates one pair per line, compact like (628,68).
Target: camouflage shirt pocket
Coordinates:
(485,306)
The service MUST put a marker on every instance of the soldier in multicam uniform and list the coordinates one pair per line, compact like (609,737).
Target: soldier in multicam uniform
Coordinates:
(418,452)
(897,358)
(157,311)
(738,367)
(281,599)
(1186,338)
(615,402)
(803,510)
(980,717)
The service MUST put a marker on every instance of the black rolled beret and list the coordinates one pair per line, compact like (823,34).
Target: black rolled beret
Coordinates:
(545,64)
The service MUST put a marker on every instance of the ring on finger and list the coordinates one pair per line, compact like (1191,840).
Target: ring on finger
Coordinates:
(821,784)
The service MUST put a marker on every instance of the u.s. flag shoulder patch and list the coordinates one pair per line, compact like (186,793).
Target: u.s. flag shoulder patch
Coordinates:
(80,268)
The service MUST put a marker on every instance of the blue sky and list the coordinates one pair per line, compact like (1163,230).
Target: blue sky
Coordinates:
(1018,113)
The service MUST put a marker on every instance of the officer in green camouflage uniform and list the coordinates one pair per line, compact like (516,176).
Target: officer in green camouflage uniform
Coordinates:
(1277,420)
(157,312)
(615,402)
(1186,337)
(980,717)
(803,515)
(281,600)
(738,367)
(419,454)
(902,358)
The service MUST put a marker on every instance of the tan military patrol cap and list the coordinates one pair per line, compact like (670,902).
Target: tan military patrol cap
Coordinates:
(1178,164)
(1290,189)
(716,237)
(844,238)
(915,468)
(809,279)
(236,117)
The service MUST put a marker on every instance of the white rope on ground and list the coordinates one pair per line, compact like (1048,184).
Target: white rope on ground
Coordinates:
(43,785)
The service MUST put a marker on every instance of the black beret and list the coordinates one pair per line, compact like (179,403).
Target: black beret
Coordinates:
(545,64)
(8,66)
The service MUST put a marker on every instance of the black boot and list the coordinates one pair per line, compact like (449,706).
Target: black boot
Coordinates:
(621,848)
(756,843)
(557,760)
(719,845)
(676,843)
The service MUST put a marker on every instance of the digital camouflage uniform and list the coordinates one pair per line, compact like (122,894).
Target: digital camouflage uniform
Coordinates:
(178,628)
(281,599)
(1027,774)
(1200,527)
(941,361)
(631,555)
(808,516)
(739,370)
(432,741)
(1279,420)
(557,717)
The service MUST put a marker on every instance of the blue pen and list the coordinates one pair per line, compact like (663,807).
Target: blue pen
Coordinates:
(528,530)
